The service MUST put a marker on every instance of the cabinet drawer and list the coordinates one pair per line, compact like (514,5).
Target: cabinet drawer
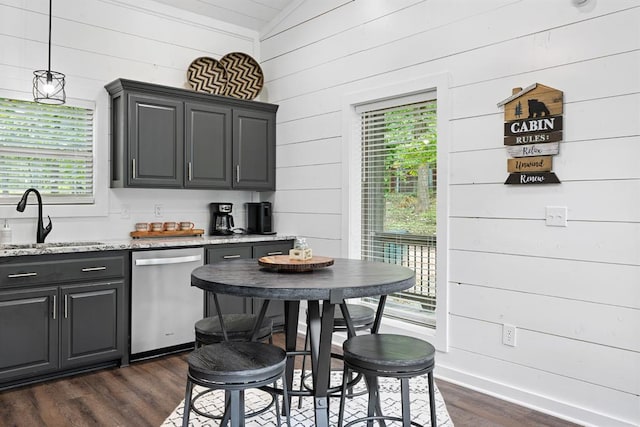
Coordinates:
(228,253)
(281,248)
(93,268)
(61,270)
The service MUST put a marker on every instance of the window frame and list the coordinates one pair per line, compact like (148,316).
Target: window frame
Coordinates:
(99,207)
(370,113)
(351,194)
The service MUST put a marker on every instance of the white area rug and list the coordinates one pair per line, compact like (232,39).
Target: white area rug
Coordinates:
(304,417)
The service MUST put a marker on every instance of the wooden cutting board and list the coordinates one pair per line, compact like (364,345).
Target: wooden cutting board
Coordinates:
(285,264)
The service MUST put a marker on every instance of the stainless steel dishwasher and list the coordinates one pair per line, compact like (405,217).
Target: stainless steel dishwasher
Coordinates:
(164,305)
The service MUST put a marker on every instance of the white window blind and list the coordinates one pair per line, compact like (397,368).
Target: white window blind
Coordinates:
(398,200)
(46,147)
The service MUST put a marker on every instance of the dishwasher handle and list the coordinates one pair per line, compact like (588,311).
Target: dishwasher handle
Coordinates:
(164,261)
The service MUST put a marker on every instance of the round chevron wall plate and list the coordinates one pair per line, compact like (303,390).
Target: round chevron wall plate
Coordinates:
(207,75)
(244,75)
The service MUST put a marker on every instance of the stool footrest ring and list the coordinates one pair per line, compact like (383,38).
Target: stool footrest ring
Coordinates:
(379,418)
(247,415)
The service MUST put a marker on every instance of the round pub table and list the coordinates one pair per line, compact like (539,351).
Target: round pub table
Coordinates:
(323,289)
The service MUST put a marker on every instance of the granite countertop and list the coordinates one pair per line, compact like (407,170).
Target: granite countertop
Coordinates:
(20,249)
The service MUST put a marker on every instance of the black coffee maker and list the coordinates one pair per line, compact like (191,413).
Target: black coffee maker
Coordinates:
(221,219)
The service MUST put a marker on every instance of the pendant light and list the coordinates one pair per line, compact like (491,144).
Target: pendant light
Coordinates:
(48,86)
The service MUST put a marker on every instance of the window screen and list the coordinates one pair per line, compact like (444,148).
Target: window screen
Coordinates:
(46,147)
(398,204)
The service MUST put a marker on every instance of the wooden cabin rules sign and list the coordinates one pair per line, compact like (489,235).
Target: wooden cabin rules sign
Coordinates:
(532,133)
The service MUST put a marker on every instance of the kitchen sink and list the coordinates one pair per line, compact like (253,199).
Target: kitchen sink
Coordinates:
(47,245)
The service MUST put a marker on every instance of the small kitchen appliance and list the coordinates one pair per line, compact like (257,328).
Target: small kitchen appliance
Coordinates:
(259,218)
(221,219)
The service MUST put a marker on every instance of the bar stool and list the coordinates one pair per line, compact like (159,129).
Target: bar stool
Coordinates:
(362,317)
(239,328)
(388,355)
(235,367)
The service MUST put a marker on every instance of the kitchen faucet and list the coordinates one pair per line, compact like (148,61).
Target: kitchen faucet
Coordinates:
(42,231)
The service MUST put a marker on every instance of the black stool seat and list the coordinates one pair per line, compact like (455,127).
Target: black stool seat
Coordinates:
(389,353)
(362,316)
(236,362)
(235,367)
(239,328)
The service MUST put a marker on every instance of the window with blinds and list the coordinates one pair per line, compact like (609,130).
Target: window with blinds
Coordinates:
(398,200)
(46,147)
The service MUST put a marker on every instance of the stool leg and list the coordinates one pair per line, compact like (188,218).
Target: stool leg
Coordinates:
(374,400)
(404,392)
(285,395)
(432,400)
(304,360)
(377,405)
(227,409)
(187,404)
(343,392)
(236,414)
(277,407)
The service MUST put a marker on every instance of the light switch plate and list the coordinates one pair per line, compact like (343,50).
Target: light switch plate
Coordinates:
(556,216)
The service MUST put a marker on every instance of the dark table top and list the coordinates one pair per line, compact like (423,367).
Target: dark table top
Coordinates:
(346,278)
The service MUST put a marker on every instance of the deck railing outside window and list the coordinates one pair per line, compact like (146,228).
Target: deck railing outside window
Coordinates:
(417,252)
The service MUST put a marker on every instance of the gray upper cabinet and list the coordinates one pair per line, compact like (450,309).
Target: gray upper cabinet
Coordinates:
(254,150)
(164,137)
(155,142)
(208,146)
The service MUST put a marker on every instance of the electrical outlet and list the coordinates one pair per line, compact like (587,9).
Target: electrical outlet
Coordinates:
(157,210)
(509,335)
(125,212)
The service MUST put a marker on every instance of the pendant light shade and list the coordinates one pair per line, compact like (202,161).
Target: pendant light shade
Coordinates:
(48,86)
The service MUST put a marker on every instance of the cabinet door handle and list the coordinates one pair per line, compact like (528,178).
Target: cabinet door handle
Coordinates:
(231,256)
(86,269)
(189,171)
(55,307)
(66,305)
(275,253)
(133,168)
(237,173)
(16,275)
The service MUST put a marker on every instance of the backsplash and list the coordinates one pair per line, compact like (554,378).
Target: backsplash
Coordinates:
(128,206)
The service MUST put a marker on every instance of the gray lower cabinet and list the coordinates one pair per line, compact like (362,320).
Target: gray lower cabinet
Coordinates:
(60,313)
(28,332)
(225,253)
(91,325)
(233,304)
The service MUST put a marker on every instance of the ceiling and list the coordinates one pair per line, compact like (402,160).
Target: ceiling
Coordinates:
(252,14)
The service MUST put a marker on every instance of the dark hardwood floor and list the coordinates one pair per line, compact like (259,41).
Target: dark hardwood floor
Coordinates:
(145,393)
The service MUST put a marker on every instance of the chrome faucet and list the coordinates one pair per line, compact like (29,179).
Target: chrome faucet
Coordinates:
(43,231)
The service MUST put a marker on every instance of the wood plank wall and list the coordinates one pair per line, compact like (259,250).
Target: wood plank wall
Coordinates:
(574,292)
(95,42)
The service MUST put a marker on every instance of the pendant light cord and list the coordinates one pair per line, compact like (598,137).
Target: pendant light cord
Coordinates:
(49,68)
